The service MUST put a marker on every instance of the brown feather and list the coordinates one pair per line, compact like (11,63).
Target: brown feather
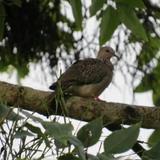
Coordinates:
(89,77)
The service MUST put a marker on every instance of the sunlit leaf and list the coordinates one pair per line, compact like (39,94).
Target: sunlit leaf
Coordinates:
(109,23)
(121,140)
(90,133)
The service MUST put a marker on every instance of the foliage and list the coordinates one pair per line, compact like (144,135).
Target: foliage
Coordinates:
(90,133)
(32,136)
(37,140)
(31,30)
(115,142)
(152,153)
(136,16)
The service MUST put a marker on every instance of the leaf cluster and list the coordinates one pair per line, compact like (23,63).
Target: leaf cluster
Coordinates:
(52,134)
(29,30)
(141,18)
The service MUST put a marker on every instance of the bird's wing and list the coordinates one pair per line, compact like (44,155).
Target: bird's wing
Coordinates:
(88,71)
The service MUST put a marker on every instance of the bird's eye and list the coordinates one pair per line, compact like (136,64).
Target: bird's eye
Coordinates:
(107,50)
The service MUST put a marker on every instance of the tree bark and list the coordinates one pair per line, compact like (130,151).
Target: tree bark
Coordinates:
(79,108)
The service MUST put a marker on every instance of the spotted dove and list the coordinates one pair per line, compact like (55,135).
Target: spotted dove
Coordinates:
(88,77)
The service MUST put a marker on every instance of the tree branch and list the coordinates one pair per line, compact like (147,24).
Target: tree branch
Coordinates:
(79,108)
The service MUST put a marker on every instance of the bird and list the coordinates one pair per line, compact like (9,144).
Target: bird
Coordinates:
(88,77)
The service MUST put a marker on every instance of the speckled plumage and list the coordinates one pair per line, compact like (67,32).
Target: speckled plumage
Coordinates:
(89,77)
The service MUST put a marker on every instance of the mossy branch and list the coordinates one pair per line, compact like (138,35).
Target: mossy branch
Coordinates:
(79,108)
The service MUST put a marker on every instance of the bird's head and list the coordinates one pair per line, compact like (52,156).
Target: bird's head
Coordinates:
(106,53)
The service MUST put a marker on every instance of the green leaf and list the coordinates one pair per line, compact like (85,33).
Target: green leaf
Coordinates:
(68,156)
(59,144)
(92,157)
(149,51)
(61,132)
(23,159)
(79,147)
(2,20)
(109,23)
(22,134)
(154,42)
(157,14)
(77,12)
(104,156)
(17,3)
(132,3)
(151,81)
(121,140)
(34,129)
(128,17)
(8,113)
(95,6)
(156,95)
(154,138)
(152,154)
(143,86)
(33,117)
(90,133)
(22,71)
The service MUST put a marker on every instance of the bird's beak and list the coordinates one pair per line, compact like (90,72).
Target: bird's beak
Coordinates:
(118,58)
